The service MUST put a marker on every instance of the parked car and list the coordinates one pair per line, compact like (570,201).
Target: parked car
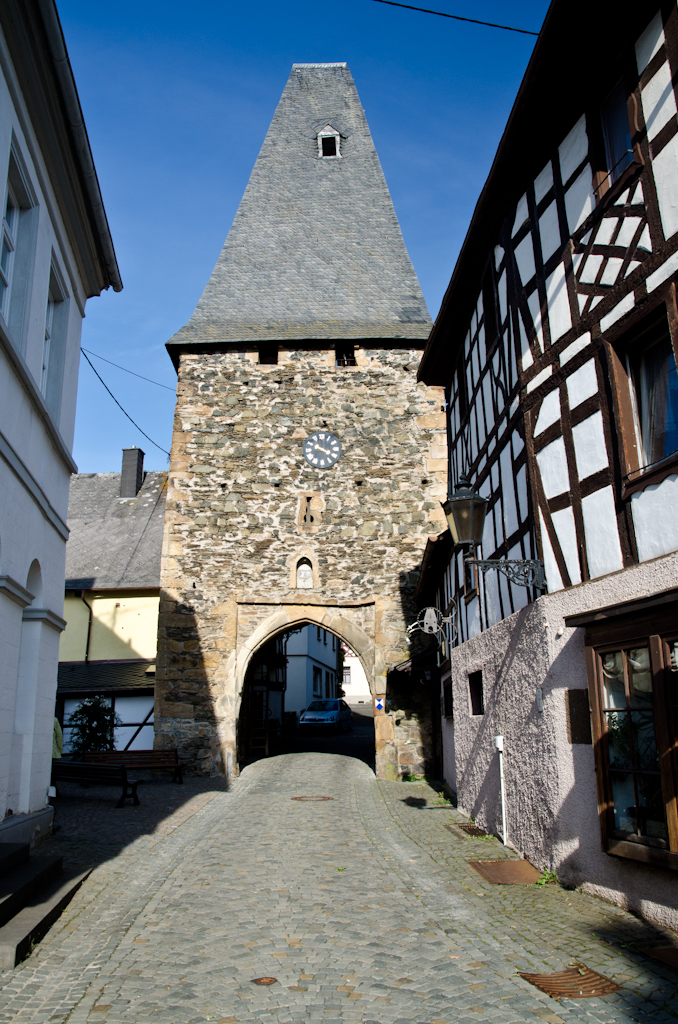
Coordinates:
(327,714)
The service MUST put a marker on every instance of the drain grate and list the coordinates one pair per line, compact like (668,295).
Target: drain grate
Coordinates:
(472,830)
(312,798)
(264,981)
(578,982)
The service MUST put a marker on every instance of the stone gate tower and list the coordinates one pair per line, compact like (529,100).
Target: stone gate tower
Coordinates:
(311,325)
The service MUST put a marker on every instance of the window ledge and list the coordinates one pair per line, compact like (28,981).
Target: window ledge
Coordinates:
(643,854)
(654,474)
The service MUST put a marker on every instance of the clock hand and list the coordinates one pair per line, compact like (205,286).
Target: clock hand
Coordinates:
(318,448)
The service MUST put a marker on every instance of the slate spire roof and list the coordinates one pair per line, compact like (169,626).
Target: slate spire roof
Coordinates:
(315,250)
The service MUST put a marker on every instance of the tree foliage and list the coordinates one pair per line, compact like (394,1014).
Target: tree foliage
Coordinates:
(92,726)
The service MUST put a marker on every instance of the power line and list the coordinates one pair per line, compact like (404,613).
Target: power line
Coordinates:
(121,408)
(457,17)
(117,365)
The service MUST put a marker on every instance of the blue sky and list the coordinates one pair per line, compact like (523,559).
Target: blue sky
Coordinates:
(178,97)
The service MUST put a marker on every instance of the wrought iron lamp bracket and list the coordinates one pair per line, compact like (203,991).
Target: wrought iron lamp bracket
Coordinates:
(524,573)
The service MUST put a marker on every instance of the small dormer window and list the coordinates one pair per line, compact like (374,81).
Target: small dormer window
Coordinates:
(329,142)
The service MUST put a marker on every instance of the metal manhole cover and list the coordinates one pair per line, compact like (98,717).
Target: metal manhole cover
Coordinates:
(312,798)
(506,872)
(578,982)
(472,830)
(264,981)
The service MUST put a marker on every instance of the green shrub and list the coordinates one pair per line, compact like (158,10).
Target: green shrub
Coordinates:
(92,726)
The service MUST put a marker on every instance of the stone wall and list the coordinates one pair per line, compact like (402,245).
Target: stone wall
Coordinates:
(235,526)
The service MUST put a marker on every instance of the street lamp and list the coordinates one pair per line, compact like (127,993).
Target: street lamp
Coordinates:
(465,514)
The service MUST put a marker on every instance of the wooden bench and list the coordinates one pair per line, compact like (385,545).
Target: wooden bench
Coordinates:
(96,775)
(136,759)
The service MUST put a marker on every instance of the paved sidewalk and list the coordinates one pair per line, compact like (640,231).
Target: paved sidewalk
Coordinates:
(363,907)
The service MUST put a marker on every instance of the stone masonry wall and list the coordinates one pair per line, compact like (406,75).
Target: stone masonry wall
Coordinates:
(237,524)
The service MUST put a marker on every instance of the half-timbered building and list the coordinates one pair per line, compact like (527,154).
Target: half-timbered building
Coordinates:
(556,343)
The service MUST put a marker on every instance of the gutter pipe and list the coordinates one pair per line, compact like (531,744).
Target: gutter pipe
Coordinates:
(89,624)
(69,92)
(499,744)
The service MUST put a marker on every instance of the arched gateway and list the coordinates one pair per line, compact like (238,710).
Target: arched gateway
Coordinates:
(307,463)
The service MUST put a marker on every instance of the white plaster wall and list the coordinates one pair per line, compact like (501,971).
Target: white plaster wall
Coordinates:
(29,649)
(25,536)
(359,689)
(550,785)
(665,170)
(655,518)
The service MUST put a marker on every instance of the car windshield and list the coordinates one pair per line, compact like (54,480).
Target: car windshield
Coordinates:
(323,705)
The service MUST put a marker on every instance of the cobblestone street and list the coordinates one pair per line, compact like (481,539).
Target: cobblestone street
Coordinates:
(362,907)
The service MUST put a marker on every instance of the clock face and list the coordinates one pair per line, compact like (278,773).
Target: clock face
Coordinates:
(322,450)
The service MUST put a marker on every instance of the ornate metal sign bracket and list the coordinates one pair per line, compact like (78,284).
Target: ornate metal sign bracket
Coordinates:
(524,573)
(432,620)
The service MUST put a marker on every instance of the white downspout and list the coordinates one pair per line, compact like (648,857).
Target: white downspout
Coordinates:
(499,744)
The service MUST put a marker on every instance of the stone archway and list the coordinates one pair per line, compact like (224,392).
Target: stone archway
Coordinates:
(354,625)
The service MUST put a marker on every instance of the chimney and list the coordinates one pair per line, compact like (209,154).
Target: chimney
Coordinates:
(132,475)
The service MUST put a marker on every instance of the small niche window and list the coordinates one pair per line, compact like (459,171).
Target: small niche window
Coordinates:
(329,142)
(475,686)
(304,575)
(616,134)
(268,354)
(345,354)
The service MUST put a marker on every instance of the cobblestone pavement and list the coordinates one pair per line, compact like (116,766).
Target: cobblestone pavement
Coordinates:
(363,907)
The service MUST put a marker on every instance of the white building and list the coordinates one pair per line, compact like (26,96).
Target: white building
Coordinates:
(312,660)
(557,343)
(56,253)
(354,681)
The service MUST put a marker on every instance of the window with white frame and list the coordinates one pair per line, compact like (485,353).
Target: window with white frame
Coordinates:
(54,344)
(10,223)
(18,235)
(329,142)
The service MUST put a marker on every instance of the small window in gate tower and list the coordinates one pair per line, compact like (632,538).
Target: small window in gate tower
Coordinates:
(475,685)
(268,354)
(345,354)
(329,144)
(304,575)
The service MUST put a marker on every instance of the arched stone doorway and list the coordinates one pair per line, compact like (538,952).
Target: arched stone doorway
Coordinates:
(354,626)
(297,668)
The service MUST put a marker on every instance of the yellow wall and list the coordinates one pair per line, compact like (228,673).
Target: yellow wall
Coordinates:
(124,625)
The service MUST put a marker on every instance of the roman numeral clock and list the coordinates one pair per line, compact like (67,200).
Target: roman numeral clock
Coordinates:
(322,450)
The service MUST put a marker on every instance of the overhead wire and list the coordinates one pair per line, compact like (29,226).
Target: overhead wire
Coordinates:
(457,17)
(119,367)
(121,408)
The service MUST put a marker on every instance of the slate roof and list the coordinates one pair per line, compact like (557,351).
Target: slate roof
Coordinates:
(105,677)
(115,542)
(315,250)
